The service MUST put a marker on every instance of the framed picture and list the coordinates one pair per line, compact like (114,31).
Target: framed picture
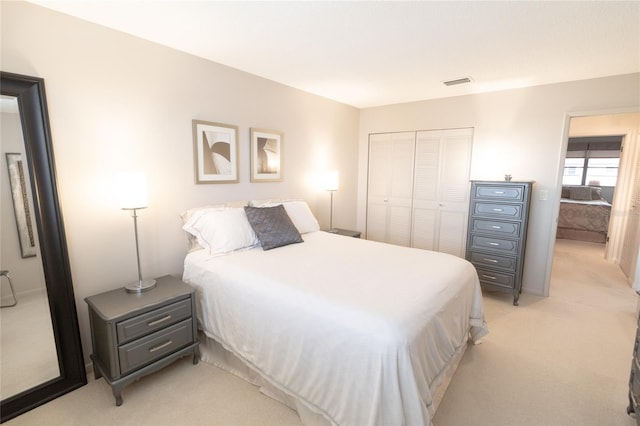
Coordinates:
(20,196)
(215,151)
(266,155)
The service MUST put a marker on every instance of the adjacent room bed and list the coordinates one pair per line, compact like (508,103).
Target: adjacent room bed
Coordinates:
(343,330)
(584,214)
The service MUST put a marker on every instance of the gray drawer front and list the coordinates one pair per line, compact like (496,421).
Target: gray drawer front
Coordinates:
(505,211)
(152,321)
(494,244)
(146,350)
(494,261)
(515,193)
(499,279)
(511,229)
(635,380)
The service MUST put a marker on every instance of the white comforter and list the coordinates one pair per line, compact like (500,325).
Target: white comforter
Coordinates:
(358,331)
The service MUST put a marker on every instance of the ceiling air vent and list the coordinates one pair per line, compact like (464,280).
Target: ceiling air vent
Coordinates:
(457,81)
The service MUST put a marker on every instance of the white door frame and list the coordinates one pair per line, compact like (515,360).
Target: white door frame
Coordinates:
(560,172)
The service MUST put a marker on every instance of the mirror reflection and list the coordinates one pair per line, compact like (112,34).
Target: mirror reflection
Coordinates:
(25,319)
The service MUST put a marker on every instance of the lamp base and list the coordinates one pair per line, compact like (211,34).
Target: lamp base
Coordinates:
(140,286)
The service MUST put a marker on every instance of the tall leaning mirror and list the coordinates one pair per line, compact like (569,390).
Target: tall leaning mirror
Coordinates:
(40,348)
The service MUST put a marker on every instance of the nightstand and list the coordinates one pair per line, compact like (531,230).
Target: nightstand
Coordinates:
(135,334)
(345,232)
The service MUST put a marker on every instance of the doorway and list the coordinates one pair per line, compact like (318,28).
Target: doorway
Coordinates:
(595,136)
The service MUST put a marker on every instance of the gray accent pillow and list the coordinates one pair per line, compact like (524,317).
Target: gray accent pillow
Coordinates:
(273,226)
(580,193)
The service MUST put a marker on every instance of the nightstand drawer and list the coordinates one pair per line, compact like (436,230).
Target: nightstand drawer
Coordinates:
(511,229)
(496,278)
(505,211)
(502,192)
(494,261)
(147,349)
(152,321)
(494,244)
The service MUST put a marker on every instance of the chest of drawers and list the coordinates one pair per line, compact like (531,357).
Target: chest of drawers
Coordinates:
(634,378)
(497,233)
(135,334)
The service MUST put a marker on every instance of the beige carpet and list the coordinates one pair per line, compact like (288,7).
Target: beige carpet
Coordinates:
(562,360)
(23,327)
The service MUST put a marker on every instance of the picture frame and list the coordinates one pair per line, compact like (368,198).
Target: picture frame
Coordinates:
(266,155)
(20,196)
(215,152)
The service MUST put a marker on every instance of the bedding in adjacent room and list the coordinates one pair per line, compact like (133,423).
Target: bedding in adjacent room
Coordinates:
(358,332)
(584,215)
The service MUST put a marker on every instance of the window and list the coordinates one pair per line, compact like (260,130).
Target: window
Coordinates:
(591,171)
(603,170)
(592,161)
(573,171)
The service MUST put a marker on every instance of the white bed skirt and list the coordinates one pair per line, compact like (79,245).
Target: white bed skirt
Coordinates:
(212,352)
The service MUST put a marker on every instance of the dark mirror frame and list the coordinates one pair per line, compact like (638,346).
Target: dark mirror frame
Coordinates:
(53,247)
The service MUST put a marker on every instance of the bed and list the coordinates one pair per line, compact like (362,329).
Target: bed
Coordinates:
(584,214)
(343,330)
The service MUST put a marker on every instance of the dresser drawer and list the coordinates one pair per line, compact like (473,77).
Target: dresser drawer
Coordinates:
(147,349)
(493,260)
(504,211)
(152,321)
(494,244)
(501,192)
(511,229)
(499,279)
(634,383)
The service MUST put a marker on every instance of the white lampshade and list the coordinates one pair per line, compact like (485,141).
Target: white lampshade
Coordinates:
(331,180)
(132,190)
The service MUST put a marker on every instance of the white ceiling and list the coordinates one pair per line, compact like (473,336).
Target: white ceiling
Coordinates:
(376,53)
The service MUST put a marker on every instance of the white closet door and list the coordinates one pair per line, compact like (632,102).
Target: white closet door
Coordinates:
(390,188)
(426,181)
(441,196)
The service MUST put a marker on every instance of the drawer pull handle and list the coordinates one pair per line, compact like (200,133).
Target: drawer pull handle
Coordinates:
(497,210)
(489,277)
(493,244)
(164,345)
(490,260)
(496,227)
(499,192)
(159,321)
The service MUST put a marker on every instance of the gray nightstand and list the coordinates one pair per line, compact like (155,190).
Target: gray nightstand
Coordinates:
(345,232)
(133,335)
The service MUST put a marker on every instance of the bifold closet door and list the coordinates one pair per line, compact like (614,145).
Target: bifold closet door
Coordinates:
(390,187)
(441,190)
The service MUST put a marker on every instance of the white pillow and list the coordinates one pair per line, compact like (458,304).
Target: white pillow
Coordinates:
(186,215)
(299,213)
(221,230)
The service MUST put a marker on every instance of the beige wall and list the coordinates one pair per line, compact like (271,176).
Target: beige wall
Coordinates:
(521,132)
(121,103)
